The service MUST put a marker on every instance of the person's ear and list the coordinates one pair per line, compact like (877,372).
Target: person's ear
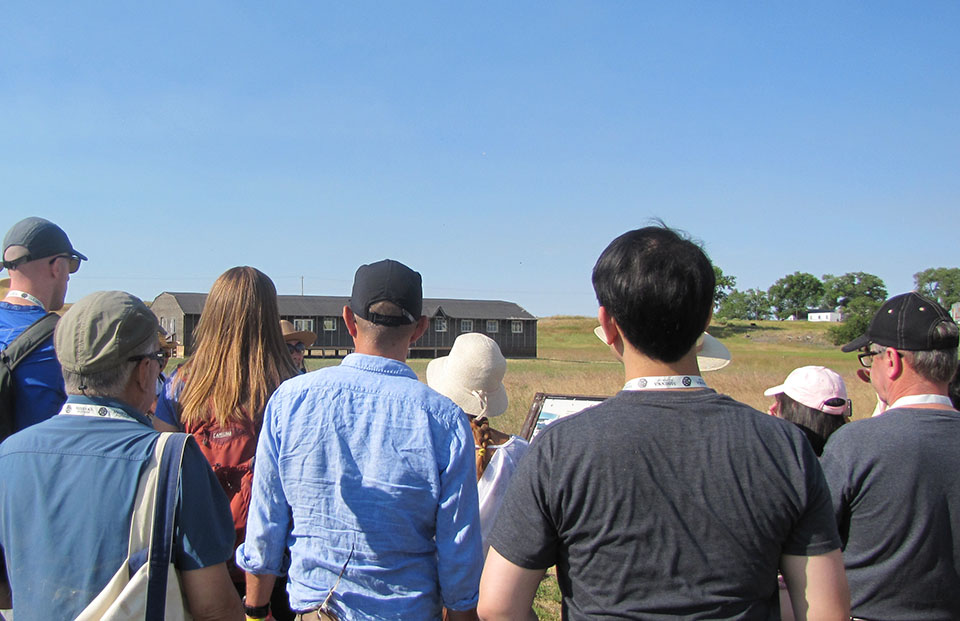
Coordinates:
(146,378)
(893,362)
(350,321)
(422,324)
(609,326)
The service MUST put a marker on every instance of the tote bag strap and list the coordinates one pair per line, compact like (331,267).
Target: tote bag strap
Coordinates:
(161,544)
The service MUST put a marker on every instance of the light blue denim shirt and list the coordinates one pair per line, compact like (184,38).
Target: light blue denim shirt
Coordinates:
(363,456)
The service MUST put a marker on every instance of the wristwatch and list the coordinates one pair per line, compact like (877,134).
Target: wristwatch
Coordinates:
(255,613)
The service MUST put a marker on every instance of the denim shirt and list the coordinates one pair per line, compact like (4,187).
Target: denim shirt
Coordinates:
(363,457)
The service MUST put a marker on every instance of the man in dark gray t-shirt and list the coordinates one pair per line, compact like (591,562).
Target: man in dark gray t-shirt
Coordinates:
(668,500)
(894,478)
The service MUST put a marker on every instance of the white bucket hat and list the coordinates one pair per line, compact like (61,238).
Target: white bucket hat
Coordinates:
(711,353)
(472,375)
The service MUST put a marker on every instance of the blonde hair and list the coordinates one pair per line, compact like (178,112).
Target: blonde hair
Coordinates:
(240,356)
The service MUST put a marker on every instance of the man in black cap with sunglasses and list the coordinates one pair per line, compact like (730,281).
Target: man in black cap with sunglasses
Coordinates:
(894,478)
(40,258)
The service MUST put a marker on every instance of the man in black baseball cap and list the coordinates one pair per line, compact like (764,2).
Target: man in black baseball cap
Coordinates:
(389,460)
(893,477)
(40,258)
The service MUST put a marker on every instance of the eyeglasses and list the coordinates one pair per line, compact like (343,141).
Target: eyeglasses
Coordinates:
(74,261)
(298,348)
(866,358)
(158,355)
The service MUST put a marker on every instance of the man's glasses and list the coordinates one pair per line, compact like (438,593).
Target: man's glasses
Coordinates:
(298,348)
(160,356)
(866,358)
(74,261)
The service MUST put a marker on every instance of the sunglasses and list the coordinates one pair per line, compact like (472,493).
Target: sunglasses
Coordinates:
(158,355)
(298,348)
(74,261)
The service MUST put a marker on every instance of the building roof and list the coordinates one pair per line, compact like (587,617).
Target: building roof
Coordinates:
(331,306)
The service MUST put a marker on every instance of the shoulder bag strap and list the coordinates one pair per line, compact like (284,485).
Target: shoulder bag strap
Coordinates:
(161,544)
(28,340)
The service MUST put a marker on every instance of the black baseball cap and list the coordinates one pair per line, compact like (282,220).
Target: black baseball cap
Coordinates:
(387,281)
(909,322)
(35,238)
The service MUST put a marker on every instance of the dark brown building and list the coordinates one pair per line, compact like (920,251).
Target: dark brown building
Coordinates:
(513,328)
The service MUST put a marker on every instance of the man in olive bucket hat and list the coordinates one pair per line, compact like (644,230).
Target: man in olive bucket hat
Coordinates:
(70,482)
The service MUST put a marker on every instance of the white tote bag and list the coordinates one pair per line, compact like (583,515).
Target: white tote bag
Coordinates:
(152,591)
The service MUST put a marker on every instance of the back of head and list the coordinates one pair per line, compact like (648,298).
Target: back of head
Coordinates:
(96,338)
(659,288)
(921,329)
(387,300)
(240,356)
(817,425)
(813,398)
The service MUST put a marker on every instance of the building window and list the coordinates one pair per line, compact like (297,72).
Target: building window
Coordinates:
(440,324)
(516,327)
(493,325)
(329,324)
(303,325)
(466,325)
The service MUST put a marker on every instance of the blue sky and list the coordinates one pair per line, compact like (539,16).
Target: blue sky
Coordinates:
(495,147)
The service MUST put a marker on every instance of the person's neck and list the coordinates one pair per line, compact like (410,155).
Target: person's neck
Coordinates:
(392,354)
(29,288)
(635,364)
(910,385)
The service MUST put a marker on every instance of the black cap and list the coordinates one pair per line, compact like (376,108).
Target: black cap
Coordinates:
(387,281)
(35,238)
(909,322)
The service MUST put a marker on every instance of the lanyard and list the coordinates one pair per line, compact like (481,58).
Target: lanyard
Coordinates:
(920,400)
(659,382)
(14,293)
(95,411)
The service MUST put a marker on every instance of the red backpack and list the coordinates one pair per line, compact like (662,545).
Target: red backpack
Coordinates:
(230,451)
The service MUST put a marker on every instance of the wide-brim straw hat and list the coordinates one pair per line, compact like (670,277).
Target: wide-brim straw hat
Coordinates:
(472,375)
(290,333)
(711,353)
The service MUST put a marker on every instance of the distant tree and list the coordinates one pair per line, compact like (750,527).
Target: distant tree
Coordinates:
(840,291)
(725,284)
(794,294)
(751,304)
(939,283)
(856,320)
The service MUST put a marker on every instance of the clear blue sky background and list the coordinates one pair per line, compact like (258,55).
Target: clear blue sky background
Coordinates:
(496,147)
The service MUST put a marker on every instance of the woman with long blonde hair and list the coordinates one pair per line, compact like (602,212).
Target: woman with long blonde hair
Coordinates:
(219,395)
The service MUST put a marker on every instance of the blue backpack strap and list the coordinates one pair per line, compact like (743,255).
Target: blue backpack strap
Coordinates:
(164,521)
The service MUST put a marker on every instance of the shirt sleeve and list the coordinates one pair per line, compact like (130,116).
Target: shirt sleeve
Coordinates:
(459,550)
(268,521)
(205,533)
(815,531)
(836,471)
(167,400)
(525,531)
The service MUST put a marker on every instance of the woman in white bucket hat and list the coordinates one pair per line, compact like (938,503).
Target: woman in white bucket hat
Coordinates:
(472,377)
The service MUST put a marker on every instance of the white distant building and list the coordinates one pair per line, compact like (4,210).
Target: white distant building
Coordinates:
(824,314)
(955,311)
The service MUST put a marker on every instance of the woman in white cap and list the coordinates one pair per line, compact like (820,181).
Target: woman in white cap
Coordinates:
(814,399)
(472,377)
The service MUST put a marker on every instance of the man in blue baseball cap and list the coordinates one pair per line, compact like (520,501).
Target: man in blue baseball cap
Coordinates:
(39,258)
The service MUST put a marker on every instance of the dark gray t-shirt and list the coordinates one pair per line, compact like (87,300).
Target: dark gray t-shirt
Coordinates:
(895,481)
(661,504)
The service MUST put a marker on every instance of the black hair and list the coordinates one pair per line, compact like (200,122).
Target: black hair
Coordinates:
(659,288)
(816,425)
(954,389)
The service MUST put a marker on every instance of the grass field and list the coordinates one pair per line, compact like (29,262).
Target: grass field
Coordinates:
(573,361)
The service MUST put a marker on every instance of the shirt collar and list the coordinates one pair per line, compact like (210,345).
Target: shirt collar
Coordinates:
(379,364)
(114,403)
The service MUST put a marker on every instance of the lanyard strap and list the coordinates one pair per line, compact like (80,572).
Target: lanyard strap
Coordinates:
(920,400)
(14,293)
(96,411)
(660,382)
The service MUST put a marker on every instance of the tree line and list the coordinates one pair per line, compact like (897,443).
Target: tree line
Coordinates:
(857,295)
